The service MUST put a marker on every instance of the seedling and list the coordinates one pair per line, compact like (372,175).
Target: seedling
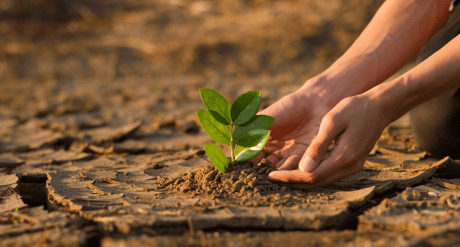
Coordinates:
(250,134)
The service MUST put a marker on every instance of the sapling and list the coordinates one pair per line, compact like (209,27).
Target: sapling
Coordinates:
(236,125)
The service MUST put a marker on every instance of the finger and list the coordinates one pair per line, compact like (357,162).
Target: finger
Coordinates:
(280,163)
(321,183)
(306,180)
(294,176)
(273,159)
(328,131)
(273,146)
(290,163)
(332,171)
(331,178)
(341,157)
(336,161)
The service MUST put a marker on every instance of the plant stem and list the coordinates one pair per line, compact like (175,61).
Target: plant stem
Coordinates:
(231,143)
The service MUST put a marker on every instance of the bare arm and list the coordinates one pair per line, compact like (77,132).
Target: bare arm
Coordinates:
(437,75)
(397,32)
(357,121)
(346,102)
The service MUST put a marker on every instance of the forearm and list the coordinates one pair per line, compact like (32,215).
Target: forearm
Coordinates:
(397,32)
(437,75)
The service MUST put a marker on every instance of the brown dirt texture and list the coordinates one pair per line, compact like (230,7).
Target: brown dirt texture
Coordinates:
(100,144)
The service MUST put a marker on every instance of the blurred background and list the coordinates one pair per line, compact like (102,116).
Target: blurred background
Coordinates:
(125,60)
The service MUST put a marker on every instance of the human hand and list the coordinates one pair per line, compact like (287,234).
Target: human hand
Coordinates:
(297,120)
(300,136)
(354,125)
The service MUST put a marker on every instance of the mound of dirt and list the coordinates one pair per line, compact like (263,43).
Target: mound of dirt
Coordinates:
(244,180)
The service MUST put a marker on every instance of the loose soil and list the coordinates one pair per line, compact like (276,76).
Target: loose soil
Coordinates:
(100,144)
(245,181)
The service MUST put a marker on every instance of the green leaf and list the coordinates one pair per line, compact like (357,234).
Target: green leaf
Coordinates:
(217,157)
(245,107)
(253,138)
(238,149)
(217,131)
(247,153)
(217,105)
(258,122)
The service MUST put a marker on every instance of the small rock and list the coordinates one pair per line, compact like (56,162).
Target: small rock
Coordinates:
(262,170)
(217,178)
(238,186)
(185,186)
(210,176)
(287,196)
(414,195)
(210,168)
(421,204)
(178,181)
(260,188)
(443,199)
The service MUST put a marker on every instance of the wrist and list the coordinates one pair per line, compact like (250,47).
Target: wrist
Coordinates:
(393,98)
(337,83)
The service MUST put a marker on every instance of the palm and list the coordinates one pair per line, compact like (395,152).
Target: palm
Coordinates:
(297,121)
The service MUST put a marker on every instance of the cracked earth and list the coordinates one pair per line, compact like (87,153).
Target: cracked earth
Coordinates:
(100,144)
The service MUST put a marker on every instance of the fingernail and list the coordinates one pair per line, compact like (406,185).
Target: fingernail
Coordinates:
(272,177)
(307,164)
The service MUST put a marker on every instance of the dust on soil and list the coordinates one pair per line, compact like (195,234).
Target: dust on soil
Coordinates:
(100,145)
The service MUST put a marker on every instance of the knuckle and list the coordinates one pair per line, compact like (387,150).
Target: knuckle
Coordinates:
(329,120)
(353,100)
(294,158)
(346,101)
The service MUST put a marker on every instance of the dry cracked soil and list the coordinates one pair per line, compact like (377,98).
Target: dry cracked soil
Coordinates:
(100,144)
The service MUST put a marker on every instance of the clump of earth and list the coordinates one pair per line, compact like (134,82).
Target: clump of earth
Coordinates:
(244,180)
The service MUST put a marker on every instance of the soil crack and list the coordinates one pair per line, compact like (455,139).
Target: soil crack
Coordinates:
(32,189)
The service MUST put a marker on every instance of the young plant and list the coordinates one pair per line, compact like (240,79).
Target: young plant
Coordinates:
(219,119)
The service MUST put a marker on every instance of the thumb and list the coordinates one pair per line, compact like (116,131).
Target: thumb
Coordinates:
(319,146)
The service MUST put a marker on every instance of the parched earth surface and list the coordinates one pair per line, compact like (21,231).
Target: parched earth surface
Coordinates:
(100,144)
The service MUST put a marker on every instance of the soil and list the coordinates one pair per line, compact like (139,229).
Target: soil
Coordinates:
(100,144)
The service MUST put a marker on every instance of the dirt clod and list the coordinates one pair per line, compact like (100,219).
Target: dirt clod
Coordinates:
(245,180)
(210,176)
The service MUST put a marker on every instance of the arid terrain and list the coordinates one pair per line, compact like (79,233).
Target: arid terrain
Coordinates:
(100,144)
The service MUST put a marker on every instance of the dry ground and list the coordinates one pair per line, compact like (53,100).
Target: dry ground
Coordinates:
(100,145)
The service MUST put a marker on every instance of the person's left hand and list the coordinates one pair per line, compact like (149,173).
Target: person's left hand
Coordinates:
(354,125)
